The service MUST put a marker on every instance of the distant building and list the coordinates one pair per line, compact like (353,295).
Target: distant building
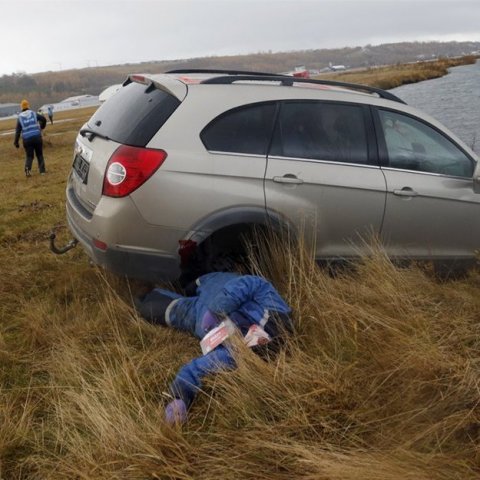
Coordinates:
(336,68)
(70,103)
(82,100)
(9,109)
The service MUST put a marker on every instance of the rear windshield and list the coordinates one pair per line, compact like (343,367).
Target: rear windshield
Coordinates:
(134,114)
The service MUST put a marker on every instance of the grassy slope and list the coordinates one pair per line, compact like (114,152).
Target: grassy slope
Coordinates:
(380,382)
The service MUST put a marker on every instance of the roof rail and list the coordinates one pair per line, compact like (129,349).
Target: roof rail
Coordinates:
(289,81)
(226,72)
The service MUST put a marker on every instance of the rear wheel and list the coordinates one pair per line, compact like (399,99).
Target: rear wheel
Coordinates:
(226,250)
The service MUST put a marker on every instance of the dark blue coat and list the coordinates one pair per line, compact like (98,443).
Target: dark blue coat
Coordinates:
(246,299)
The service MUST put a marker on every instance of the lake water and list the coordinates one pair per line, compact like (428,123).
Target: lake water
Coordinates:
(454,100)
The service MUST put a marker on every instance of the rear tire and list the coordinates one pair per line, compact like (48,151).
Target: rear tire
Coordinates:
(224,251)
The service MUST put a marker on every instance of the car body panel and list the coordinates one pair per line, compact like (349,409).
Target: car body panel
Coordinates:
(167,83)
(195,179)
(198,194)
(196,191)
(116,223)
(430,215)
(339,205)
(96,151)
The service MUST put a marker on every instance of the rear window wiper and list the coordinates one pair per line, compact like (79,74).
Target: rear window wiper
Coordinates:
(92,134)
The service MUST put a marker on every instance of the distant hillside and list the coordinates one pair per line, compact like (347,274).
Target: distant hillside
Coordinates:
(49,87)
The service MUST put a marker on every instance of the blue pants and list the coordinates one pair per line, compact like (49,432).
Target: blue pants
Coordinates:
(157,308)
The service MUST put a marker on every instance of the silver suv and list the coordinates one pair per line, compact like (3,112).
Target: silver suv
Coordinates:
(190,161)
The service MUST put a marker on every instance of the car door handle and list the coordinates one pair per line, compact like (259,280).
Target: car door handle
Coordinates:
(288,178)
(405,192)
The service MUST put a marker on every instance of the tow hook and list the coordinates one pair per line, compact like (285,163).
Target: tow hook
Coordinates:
(60,251)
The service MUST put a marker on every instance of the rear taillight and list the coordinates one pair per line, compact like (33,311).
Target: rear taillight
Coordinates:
(100,245)
(130,167)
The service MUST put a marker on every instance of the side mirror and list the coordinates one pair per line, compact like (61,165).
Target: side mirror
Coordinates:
(476,178)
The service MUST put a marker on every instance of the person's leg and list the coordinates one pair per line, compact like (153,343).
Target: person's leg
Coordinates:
(38,146)
(29,150)
(183,314)
(153,306)
(163,307)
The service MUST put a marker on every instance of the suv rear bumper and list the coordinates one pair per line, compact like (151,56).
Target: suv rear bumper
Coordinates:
(145,265)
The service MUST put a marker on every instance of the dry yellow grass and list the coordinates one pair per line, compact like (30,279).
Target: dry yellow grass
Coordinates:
(380,381)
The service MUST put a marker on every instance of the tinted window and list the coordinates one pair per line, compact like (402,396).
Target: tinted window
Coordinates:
(134,114)
(322,131)
(413,145)
(243,130)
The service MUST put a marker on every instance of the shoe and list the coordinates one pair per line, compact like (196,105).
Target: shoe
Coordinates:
(42,173)
(27,173)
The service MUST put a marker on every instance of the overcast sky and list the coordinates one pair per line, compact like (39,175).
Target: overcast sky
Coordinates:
(41,35)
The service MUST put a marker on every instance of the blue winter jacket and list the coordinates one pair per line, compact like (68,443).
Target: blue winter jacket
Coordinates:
(247,299)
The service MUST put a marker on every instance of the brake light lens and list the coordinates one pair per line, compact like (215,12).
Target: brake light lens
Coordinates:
(100,245)
(138,78)
(129,168)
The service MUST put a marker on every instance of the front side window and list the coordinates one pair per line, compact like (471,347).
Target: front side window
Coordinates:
(413,145)
(242,130)
(321,131)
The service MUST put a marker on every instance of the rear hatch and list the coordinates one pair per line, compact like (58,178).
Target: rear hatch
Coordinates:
(130,117)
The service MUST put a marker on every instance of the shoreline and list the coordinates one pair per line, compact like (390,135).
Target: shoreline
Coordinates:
(385,77)
(393,76)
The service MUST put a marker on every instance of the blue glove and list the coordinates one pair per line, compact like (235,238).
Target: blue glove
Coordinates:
(209,321)
(176,412)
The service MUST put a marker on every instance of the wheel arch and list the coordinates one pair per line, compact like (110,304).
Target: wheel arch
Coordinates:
(217,243)
(238,219)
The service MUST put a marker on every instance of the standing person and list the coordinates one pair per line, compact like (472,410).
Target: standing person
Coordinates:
(50,113)
(30,125)
(222,303)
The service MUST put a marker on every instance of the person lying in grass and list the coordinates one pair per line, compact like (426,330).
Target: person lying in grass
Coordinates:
(218,305)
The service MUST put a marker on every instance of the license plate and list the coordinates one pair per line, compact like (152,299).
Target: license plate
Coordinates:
(81,166)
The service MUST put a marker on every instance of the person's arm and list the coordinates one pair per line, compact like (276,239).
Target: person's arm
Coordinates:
(235,293)
(245,288)
(18,131)
(189,378)
(42,121)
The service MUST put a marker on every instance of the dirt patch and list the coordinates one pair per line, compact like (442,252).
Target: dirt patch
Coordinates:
(34,206)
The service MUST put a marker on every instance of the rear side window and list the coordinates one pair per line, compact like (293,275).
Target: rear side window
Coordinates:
(242,130)
(134,114)
(321,131)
